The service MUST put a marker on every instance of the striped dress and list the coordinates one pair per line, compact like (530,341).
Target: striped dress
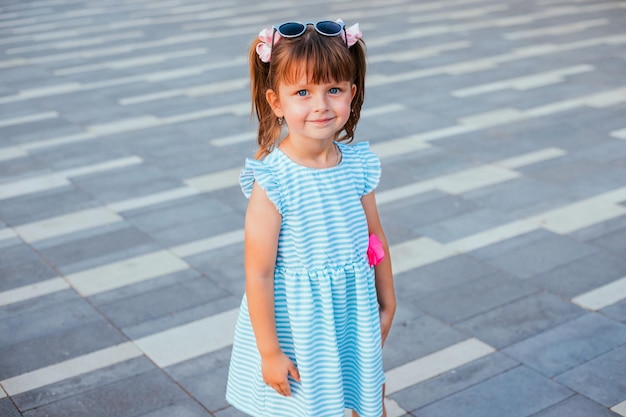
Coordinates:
(325,298)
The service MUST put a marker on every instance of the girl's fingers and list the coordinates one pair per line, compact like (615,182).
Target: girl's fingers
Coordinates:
(293,371)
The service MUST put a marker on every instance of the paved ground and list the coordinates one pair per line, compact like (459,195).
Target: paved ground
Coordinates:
(501,126)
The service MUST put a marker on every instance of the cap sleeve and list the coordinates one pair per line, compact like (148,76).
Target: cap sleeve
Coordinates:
(371,167)
(258,171)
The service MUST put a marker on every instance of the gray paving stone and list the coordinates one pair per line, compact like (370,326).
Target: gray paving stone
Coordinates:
(569,345)
(224,266)
(182,317)
(474,297)
(202,228)
(43,205)
(45,301)
(430,211)
(613,242)
(204,378)
(616,311)
(126,183)
(50,349)
(451,382)
(96,247)
(163,301)
(134,396)
(15,169)
(395,217)
(600,229)
(17,130)
(43,322)
(541,256)
(230,412)
(577,406)
(82,384)
(20,265)
(80,154)
(8,409)
(438,277)
(414,335)
(465,224)
(182,408)
(516,393)
(520,197)
(602,379)
(175,213)
(519,320)
(582,275)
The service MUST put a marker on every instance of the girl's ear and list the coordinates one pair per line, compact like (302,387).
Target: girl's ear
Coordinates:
(274,102)
(353,90)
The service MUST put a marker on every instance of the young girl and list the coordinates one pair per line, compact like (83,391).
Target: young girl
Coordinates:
(308,341)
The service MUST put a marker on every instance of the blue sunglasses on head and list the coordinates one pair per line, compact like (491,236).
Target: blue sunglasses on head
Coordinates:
(323,27)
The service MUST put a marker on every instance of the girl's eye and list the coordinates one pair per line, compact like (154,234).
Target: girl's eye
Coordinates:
(302,93)
(334,90)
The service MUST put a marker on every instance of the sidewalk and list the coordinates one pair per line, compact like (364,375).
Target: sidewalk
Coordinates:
(501,127)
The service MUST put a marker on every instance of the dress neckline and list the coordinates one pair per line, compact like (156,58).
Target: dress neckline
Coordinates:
(339,165)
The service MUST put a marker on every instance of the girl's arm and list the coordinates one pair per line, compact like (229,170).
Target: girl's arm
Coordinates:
(384,276)
(262,227)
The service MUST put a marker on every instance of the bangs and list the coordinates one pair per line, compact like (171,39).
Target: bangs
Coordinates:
(315,57)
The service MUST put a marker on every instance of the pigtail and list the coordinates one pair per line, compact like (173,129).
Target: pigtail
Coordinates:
(357,51)
(269,128)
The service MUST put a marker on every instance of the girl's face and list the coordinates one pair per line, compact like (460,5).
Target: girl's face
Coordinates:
(313,111)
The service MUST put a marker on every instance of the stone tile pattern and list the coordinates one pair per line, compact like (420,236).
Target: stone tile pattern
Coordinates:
(501,131)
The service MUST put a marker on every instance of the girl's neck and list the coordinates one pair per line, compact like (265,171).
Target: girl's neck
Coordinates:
(311,154)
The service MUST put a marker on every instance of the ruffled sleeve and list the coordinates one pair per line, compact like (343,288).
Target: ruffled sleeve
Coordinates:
(371,167)
(258,171)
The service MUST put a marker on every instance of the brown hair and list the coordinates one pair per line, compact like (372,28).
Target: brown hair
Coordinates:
(322,59)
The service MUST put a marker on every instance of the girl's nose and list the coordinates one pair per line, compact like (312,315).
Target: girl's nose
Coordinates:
(320,103)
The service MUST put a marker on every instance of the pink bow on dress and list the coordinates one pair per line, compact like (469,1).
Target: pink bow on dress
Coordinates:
(375,251)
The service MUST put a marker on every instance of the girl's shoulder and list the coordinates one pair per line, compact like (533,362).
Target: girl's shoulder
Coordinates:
(360,151)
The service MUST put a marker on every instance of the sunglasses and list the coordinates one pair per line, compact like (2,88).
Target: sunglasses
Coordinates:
(323,27)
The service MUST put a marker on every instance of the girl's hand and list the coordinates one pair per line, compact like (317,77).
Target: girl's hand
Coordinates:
(275,369)
(385,324)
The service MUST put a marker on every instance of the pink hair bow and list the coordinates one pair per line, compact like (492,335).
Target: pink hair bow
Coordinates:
(375,251)
(264,48)
(353,33)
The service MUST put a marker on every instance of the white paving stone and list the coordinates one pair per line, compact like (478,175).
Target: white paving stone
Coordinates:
(28,119)
(70,368)
(493,235)
(556,29)
(436,364)
(234,139)
(151,199)
(418,252)
(473,178)
(525,82)
(531,158)
(12,152)
(65,224)
(190,340)
(7,233)
(620,408)
(211,243)
(28,292)
(122,273)
(578,215)
(215,181)
(619,134)
(602,297)
(32,185)
(102,166)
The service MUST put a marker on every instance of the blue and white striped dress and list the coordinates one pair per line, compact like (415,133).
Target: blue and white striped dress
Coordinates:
(325,297)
